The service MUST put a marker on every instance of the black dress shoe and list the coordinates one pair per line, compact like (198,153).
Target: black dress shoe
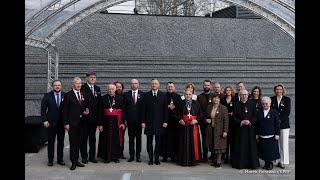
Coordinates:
(165,160)
(270,166)
(214,163)
(79,164)
(50,163)
(131,159)
(73,166)
(150,162)
(157,162)
(106,161)
(85,161)
(123,157)
(116,160)
(61,162)
(138,160)
(93,160)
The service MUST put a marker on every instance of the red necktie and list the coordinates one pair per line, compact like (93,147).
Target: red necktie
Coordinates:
(79,99)
(134,98)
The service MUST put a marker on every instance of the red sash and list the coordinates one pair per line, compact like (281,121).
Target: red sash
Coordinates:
(187,120)
(115,112)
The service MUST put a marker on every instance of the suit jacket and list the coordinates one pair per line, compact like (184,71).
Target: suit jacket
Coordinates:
(49,109)
(133,111)
(283,110)
(154,113)
(204,102)
(72,110)
(92,100)
(269,125)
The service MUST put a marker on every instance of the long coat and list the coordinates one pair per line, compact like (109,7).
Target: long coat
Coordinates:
(154,113)
(213,138)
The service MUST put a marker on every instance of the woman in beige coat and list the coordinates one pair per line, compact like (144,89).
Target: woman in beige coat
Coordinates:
(217,124)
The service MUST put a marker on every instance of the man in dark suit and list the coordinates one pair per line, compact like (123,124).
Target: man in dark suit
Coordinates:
(133,104)
(51,107)
(119,91)
(204,99)
(154,119)
(89,123)
(74,108)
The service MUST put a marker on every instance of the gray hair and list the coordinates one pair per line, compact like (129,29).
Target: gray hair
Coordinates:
(266,98)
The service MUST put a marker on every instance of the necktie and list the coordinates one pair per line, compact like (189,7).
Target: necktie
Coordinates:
(155,94)
(91,87)
(58,99)
(79,98)
(134,97)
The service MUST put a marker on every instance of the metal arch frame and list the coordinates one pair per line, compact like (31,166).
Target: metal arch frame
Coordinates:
(86,12)
(284,25)
(248,4)
(49,16)
(40,11)
(52,58)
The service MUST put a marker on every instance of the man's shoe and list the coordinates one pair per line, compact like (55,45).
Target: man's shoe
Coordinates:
(73,166)
(93,160)
(138,160)
(157,162)
(85,161)
(165,160)
(131,159)
(50,163)
(123,157)
(150,162)
(106,161)
(116,160)
(79,164)
(61,162)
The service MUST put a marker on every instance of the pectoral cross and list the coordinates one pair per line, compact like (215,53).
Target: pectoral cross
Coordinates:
(111,109)
(189,115)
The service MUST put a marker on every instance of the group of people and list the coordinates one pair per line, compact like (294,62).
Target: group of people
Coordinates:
(237,127)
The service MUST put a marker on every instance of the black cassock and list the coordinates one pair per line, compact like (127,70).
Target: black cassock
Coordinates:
(189,137)
(169,141)
(245,152)
(109,141)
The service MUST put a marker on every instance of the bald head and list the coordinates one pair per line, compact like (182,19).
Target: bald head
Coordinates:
(111,89)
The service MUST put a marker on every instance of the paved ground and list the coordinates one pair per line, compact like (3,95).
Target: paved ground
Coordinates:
(36,168)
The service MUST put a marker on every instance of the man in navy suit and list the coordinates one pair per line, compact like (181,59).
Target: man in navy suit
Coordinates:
(154,119)
(89,123)
(74,108)
(133,104)
(51,106)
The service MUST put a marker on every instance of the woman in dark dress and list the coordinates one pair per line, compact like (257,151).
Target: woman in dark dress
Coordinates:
(268,131)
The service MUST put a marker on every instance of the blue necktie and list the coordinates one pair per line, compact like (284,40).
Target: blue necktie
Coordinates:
(58,99)
(91,87)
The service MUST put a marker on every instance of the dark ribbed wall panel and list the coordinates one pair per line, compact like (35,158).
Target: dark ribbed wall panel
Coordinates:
(114,34)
